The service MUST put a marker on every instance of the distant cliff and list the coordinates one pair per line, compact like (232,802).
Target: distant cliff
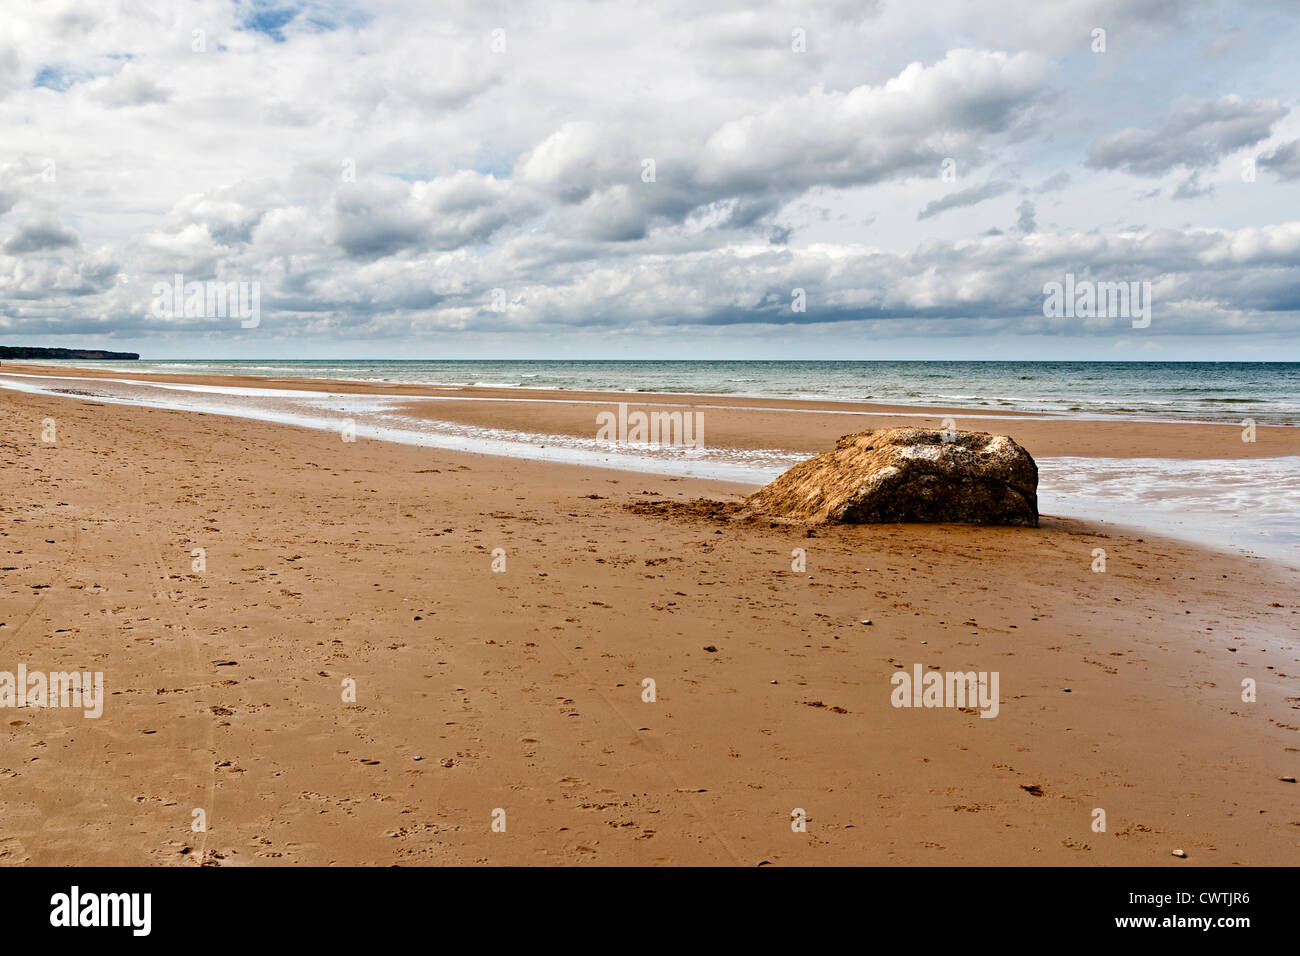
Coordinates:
(11,352)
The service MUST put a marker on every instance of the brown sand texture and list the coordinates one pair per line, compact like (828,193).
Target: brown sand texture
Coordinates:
(396,655)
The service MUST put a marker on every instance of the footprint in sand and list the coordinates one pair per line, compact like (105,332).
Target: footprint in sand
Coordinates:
(12,852)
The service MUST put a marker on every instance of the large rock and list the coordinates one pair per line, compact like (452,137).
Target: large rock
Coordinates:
(909,474)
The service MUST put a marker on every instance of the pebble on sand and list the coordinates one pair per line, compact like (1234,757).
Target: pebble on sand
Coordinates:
(1180,854)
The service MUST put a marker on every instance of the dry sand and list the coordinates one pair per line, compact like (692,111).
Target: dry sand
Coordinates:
(522,690)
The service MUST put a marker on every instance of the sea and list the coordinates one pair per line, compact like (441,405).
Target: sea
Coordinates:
(1247,505)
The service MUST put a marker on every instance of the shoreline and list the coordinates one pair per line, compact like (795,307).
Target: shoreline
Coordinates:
(756,423)
(522,690)
(1199,483)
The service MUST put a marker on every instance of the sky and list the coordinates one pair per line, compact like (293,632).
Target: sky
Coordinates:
(815,180)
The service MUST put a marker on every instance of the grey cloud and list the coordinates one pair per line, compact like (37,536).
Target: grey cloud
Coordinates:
(873,133)
(571,163)
(1195,134)
(748,167)
(1001,277)
(445,213)
(1191,187)
(998,277)
(1025,218)
(55,279)
(970,196)
(230,214)
(368,230)
(1284,161)
(10,69)
(465,208)
(130,87)
(40,236)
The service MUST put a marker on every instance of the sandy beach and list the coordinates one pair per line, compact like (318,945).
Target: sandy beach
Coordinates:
(498,618)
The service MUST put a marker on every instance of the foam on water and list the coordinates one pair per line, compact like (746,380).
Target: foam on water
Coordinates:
(1249,504)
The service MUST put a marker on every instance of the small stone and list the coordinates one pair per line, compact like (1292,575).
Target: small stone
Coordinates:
(865,621)
(1287,779)
(1180,854)
(1067,690)
(417,757)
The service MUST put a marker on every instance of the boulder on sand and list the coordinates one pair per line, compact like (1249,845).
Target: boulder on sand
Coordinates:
(908,474)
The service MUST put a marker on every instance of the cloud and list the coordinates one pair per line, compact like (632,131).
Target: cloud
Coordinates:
(10,69)
(746,168)
(965,197)
(1283,160)
(1055,182)
(381,171)
(1025,218)
(228,215)
(40,237)
(569,164)
(38,287)
(130,87)
(1191,187)
(1195,134)
(444,213)
(904,127)
(373,224)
